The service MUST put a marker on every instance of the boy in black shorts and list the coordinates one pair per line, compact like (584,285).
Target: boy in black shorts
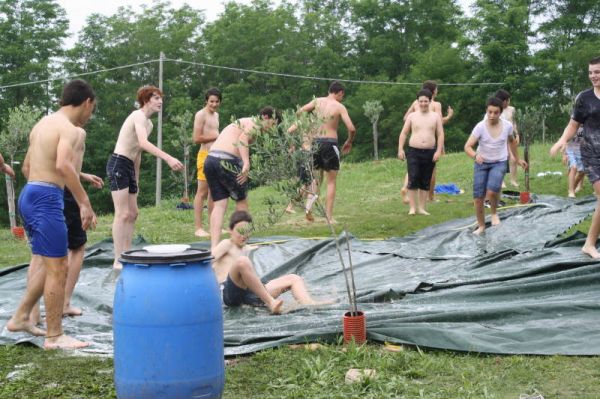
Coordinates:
(586,113)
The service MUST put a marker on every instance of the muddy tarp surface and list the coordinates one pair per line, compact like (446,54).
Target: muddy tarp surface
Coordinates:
(515,290)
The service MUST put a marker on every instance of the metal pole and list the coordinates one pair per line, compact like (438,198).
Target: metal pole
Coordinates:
(159,134)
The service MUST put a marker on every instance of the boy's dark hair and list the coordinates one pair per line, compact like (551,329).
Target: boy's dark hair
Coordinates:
(271,113)
(237,217)
(336,87)
(502,94)
(425,92)
(213,92)
(76,92)
(494,102)
(145,93)
(595,61)
(430,85)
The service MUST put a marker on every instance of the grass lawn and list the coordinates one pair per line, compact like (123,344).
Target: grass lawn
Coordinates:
(369,205)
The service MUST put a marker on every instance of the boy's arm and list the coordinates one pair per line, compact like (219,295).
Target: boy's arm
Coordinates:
(221,249)
(351,130)
(402,138)
(4,167)
(94,180)
(439,130)
(307,107)
(471,141)
(244,153)
(448,116)
(567,135)
(513,146)
(142,136)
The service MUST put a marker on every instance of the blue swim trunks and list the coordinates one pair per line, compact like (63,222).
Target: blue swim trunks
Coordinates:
(41,207)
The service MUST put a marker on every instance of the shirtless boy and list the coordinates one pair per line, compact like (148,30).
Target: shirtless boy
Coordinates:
(228,164)
(495,138)
(586,113)
(76,235)
(49,160)
(327,155)
(206,131)
(508,114)
(5,168)
(123,167)
(424,149)
(241,284)
(434,106)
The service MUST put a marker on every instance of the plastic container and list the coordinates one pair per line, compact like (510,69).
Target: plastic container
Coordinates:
(524,197)
(18,232)
(355,327)
(168,327)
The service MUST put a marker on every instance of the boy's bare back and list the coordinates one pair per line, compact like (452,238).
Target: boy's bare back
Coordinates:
(229,139)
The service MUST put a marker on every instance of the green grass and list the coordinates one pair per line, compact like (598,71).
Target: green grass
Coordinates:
(368,203)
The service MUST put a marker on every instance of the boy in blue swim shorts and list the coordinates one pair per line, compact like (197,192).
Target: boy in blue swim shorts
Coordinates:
(50,165)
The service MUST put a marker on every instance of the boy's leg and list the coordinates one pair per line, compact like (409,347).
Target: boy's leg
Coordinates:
(126,213)
(493,198)
(243,275)
(295,284)
(480,215)
(513,168)
(412,201)
(404,190)
(431,196)
(423,195)
(331,176)
(216,221)
(75,261)
(571,181)
(590,243)
(54,296)
(495,177)
(579,181)
(201,195)
(26,316)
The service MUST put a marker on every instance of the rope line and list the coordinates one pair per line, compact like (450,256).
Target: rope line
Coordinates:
(268,73)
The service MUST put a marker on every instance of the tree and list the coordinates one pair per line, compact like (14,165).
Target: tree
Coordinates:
(373,109)
(13,139)
(31,34)
(182,127)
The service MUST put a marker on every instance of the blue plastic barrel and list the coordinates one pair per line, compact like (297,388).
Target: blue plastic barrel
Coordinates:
(168,327)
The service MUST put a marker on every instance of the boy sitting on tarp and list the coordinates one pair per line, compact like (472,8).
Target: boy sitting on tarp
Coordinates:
(241,284)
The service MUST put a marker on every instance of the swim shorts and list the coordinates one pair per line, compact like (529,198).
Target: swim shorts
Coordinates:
(221,169)
(236,296)
(41,207)
(420,167)
(575,161)
(121,174)
(202,154)
(326,154)
(76,235)
(488,176)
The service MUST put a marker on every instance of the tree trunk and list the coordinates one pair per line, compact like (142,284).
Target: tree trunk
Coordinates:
(10,197)
(375,145)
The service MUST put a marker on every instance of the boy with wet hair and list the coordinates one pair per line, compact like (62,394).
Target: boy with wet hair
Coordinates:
(206,131)
(123,166)
(424,149)
(586,113)
(241,285)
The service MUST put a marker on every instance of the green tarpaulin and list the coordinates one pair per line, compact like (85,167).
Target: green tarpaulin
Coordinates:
(516,289)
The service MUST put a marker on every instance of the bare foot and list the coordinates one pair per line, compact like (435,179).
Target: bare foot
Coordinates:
(495,219)
(331,221)
(578,188)
(591,251)
(412,212)
(309,216)
(423,212)
(70,310)
(290,209)
(201,233)
(117,266)
(276,306)
(514,183)
(479,231)
(24,326)
(571,195)
(64,342)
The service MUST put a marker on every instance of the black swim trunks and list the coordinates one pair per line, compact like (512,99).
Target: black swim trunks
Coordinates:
(76,235)
(121,174)
(236,296)
(221,170)
(587,112)
(420,167)
(326,154)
